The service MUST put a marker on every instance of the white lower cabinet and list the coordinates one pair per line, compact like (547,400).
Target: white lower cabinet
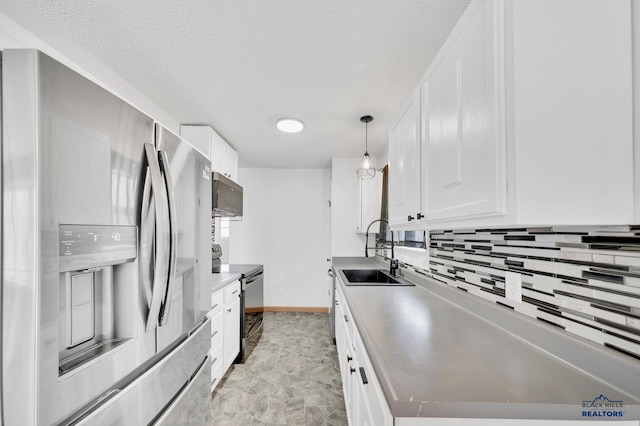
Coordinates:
(225,330)
(217,369)
(217,329)
(363,397)
(231,323)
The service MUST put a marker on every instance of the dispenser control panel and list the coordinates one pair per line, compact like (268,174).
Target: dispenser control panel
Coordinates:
(93,246)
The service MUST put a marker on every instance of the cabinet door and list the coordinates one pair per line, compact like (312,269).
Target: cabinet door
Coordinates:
(368,203)
(198,136)
(231,163)
(573,103)
(231,343)
(345,353)
(370,399)
(404,165)
(218,154)
(371,198)
(362,411)
(463,122)
(357,206)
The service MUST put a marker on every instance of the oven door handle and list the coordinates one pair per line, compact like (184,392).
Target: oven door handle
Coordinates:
(255,278)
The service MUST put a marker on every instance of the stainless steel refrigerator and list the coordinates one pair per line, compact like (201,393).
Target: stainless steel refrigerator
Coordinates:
(105,252)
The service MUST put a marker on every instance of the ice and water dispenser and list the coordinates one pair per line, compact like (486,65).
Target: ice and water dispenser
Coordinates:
(96,271)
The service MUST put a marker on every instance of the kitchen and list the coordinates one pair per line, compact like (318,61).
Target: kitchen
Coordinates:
(297,218)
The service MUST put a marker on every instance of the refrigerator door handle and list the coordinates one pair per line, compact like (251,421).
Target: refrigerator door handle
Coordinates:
(162,234)
(173,243)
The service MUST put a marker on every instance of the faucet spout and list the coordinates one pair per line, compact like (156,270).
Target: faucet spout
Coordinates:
(393,262)
(366,236)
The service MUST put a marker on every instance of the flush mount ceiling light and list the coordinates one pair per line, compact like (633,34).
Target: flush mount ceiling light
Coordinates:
(366,170)
(290,125)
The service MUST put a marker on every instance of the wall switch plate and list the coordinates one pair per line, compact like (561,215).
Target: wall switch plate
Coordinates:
(513,286)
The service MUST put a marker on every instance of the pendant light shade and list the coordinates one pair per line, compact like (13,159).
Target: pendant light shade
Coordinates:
(366,169)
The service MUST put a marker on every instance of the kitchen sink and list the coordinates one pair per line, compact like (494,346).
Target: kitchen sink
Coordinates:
(371,277)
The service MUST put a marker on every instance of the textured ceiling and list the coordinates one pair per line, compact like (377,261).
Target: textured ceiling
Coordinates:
(238,65)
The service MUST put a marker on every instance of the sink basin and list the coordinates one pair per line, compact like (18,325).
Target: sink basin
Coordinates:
(371,277)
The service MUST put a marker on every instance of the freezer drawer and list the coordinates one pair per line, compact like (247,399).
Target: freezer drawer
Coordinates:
(187,409)
(175,381)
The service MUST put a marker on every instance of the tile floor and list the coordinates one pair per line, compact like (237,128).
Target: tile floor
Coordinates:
(291,378)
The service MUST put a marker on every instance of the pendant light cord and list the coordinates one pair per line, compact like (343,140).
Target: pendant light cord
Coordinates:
(366,138)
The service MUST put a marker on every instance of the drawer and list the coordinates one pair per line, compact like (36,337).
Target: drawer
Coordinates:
(217,353)
(348,322)
(217,327)
(216,374)
(231,291)
(217,300)
(215,315)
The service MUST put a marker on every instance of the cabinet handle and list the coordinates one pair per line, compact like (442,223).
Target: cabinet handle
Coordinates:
(363,376)
(234,292)
(214,306)
(214,360)
(419,216)
(346,319)
(337,302)
(352,370)
(214,333)
(410,218)
(349,358)
(229,310)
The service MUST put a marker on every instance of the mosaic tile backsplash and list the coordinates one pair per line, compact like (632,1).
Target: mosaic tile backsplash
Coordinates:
(585,280)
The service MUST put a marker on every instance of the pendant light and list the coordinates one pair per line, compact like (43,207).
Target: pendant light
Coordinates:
(366,170)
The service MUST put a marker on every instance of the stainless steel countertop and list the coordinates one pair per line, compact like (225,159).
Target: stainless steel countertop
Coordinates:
(439,352)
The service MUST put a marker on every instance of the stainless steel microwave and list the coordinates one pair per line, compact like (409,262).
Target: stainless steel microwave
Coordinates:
(226,196)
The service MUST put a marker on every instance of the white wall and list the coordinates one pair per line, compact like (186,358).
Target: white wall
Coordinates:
(20,27)
(286,227)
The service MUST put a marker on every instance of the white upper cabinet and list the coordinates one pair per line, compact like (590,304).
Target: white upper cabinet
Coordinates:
(368,203)
(224,159)
(404,166)
(199,137)
(573,113)
(526,119)
(463,139)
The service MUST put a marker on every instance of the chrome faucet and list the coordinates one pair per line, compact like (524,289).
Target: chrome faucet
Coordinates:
(393,262)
